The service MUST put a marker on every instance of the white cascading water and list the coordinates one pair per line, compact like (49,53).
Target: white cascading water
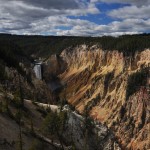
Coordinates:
(37,70)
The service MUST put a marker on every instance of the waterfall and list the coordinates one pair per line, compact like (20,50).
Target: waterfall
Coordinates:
(38,71)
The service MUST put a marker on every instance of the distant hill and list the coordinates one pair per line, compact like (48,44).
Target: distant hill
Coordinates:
(47,45)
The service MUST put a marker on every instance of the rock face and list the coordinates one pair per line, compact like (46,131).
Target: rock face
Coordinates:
(53,66)
(114,88)
(98,137)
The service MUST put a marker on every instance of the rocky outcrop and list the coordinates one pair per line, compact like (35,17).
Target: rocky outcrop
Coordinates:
(95,137)
(114,88)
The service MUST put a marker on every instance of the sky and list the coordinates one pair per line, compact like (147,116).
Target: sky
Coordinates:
(75,17)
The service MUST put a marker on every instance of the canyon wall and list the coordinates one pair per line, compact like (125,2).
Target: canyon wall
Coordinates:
(113,87)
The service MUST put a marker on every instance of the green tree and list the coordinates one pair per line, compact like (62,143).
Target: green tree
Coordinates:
(54,124)
(18,117)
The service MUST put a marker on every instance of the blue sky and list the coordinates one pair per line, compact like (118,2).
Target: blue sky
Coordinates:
(75,17)
(102,17)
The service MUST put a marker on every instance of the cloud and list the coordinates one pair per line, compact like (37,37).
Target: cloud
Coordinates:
(48,4)
(131,12)
(52,17)
(132,2)
(54,4)
(24,14)
(37,8)
(128,26)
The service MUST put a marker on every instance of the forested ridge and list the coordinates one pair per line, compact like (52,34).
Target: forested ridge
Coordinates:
(15,48)
(47,45)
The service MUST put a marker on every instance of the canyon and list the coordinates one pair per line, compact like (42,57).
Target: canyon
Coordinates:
(101,84)
(112,86)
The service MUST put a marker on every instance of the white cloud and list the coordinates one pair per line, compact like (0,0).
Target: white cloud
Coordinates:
(131,12)
(28,15)
(51,17)
(128,26)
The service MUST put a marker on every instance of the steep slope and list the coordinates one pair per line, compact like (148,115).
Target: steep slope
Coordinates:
(23,135)
(17,68)
(112,86)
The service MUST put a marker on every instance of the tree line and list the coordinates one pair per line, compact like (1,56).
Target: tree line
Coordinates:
(47,45)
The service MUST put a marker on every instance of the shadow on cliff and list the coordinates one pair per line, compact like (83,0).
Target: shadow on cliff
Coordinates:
(54,66)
